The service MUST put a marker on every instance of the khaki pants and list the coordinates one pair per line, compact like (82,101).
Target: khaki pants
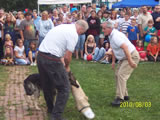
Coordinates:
(80,98)
(123,73)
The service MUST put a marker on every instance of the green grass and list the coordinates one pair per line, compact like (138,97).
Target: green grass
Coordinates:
(97,80)
(3,83)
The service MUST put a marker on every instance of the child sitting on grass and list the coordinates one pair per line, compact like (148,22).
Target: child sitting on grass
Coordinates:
(8,58)
(8,55)
(153,50)
(140,49)
(32,54)
(108,54)
(19,52)
(90,46)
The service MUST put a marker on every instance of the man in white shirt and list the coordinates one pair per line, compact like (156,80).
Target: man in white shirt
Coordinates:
(128,57)
(54,57)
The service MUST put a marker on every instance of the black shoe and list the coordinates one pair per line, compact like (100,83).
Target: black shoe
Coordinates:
(117,102)
(126,98)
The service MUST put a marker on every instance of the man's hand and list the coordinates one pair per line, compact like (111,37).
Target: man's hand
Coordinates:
(72,79)
(158,19)
(67,60)
(132,64)
(113,65)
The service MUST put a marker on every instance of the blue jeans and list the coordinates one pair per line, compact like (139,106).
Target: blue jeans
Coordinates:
(21,61)
(26,45)
(96,40)
(80,43)
(40,40)
(99,53)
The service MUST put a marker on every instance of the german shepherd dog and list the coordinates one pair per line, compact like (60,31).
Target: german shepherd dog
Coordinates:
(32,85)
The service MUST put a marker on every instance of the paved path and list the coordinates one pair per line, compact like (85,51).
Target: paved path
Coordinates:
(16,105)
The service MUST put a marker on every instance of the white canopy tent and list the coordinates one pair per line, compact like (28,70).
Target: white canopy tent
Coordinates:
(51,2)
(47,2)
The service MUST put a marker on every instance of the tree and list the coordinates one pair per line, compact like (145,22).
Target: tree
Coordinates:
(10,5)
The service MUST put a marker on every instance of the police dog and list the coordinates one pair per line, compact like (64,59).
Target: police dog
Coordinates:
(32,86)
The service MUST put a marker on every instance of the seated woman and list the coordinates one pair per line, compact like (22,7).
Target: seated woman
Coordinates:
(101,53)
(90,46)
(32,54)
(107,58)
(19,52)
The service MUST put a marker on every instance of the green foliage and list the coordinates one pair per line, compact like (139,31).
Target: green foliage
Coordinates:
(10,5)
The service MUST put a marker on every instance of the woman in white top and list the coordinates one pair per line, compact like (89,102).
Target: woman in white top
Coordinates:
(44,26)
(114,19)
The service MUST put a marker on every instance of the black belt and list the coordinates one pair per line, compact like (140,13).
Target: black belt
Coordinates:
(49,56)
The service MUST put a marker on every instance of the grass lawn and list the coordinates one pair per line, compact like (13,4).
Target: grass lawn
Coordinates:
(97,80)
(3,83)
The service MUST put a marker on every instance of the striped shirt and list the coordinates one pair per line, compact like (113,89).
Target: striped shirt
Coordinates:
(124,25)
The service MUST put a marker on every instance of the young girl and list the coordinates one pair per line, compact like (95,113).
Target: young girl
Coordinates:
(19,52)
(108,53)
(90,46)
(153,50)
(32,54)
(9,45)
(8,58)
(140,49)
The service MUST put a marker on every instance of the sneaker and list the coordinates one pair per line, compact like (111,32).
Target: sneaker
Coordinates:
(104,62)
(32,64)
(88,113)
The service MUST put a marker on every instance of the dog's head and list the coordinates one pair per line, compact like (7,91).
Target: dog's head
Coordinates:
(29,87)
(32,84)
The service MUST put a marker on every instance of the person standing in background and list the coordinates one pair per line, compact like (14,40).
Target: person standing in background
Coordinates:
(28,31)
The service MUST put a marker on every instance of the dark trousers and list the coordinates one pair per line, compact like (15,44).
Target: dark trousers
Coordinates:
(1,49)
(53,76)
(150,58)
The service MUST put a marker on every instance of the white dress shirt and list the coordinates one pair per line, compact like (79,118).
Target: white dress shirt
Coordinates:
(116,39)
(60,39)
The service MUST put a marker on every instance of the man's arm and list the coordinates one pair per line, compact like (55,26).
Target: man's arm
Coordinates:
(128,55)
(21,34)
(67,60)
(140,30)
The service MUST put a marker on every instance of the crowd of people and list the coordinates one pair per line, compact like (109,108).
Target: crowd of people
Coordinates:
(22,33)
